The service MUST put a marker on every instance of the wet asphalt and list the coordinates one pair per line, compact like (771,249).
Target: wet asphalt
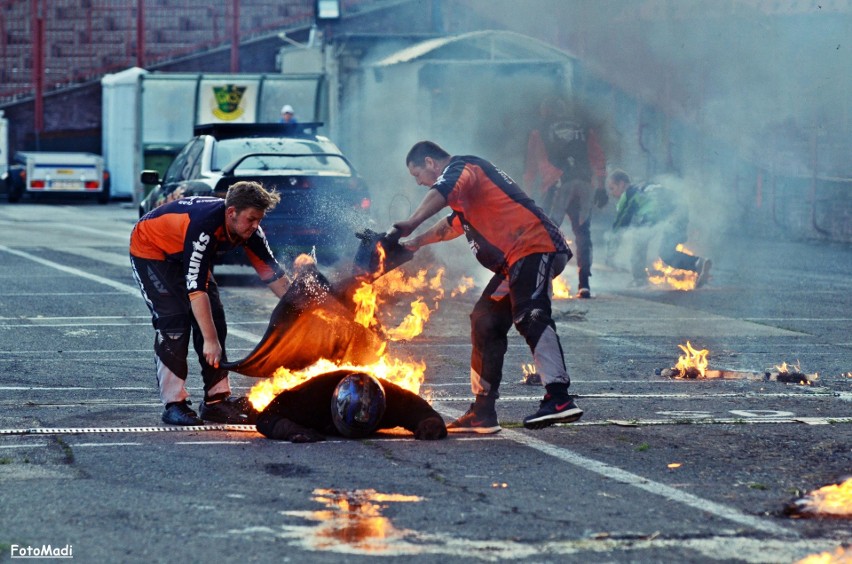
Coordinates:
(657,470)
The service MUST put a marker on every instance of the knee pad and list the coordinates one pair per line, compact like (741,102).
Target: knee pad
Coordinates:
(532,323)
(171,348)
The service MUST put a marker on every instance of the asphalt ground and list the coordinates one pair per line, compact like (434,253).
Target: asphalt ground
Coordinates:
(657,470)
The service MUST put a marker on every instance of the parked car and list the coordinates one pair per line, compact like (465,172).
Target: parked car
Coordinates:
(41,173)
(324,201)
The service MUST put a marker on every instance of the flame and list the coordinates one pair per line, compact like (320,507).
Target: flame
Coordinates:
(465,284)
(528,369)
(561,289)
(413,323)
(368,299)
(408,375)
(834,500)
(366,303)
(839,556)
(370,296)
(793,373)
(661,274)
(693,360)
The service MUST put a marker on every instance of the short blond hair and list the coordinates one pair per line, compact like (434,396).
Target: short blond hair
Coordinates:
(250,194)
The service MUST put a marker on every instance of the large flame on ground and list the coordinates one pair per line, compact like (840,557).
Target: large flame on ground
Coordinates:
(839,556)
(368,299)
(661,274)
(834,500)
(693,363)
(408,375)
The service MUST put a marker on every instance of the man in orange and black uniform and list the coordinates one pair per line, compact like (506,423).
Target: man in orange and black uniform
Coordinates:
(568,164)
(172,251)
(512,237)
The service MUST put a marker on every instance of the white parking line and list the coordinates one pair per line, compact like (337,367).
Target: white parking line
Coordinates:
(640,482)
(213,443)
(104,444)
(126,288)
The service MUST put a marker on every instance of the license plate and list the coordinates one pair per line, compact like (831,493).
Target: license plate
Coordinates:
(65,185)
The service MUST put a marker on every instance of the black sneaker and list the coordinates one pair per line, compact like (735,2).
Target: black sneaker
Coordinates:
(473,422)
(179,413)
(230,410)
(584,293)
(553,410)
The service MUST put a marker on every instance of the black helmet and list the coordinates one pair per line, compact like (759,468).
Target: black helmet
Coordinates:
(357,405)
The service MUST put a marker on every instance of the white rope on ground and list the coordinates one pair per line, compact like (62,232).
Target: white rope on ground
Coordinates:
(175,429)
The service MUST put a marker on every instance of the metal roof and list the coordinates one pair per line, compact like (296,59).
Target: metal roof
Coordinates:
(489,45)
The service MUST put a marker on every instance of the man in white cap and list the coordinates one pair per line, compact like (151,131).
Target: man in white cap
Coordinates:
(287,114)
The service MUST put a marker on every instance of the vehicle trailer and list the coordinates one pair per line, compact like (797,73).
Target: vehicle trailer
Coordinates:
(37,173)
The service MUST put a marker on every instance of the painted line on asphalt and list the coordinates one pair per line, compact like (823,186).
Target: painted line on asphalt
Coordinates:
(126,288)
(75,445)
(213,442)
(697,396)
(640,482)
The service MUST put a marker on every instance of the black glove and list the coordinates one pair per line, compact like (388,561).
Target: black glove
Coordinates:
(601,197)
(430,429)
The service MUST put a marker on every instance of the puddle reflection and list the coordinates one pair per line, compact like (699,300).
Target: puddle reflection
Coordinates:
(353,519)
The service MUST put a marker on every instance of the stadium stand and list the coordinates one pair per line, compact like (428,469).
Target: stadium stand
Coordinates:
(84,39)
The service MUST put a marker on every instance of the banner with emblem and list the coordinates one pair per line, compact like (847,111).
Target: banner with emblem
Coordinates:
(227,101)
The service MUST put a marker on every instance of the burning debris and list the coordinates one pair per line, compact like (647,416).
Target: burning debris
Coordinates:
(791,374)
(690,365)
(661,274)
(693,364)
(531,377)
(834,500)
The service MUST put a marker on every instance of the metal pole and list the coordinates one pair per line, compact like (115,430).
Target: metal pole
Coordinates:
(38,68)
(235,36)
(140,34)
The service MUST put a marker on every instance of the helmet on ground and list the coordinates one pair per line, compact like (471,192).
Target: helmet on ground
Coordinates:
(357,405)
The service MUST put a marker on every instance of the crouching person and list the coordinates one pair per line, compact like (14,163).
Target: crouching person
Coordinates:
(350,404)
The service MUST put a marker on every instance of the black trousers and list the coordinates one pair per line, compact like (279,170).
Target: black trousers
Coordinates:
(163,288)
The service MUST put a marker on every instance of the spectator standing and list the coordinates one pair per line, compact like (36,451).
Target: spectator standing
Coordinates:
(288,116)
(564,171)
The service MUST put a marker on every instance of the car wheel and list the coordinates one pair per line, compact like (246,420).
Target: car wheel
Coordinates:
(103,197)
(14,193)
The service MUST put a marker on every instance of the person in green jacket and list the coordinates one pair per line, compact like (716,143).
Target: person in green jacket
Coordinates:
(648,212)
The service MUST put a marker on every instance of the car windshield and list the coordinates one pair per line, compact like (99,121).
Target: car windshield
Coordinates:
(301,155)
